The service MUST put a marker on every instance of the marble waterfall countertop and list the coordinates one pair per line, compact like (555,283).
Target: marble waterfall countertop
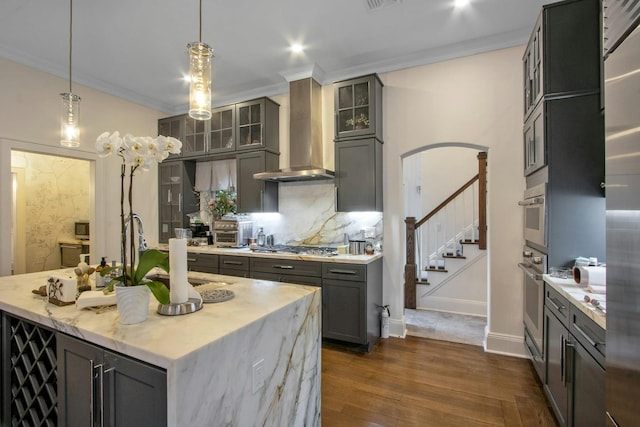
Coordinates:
(209,354)
(575,293)
(341,258)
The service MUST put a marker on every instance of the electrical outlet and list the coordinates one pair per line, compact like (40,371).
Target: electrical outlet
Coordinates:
(257,375)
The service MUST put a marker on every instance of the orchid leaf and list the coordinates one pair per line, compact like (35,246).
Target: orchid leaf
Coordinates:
(150,259)
(159,290)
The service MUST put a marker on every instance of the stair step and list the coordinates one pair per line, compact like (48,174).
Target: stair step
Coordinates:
(470,242)
(422,282)
(454,256)
(441,270)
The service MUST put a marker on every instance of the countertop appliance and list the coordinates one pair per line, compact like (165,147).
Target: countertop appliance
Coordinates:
(232,232)
(622,120)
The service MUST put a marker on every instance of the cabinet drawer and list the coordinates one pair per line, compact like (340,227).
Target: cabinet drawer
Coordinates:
(298,280)
(286,267)
(228,262)
(205,263)
(557,304)
(339,271)
(589,334)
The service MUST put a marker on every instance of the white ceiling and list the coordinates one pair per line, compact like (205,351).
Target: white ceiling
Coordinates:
(137,49)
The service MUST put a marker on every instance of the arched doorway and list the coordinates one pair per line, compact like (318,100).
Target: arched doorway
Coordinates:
(452,289)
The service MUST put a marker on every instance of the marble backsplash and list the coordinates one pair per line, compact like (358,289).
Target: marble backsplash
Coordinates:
(307,216)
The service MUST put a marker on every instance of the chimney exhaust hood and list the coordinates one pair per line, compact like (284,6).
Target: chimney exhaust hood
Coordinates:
(305,136)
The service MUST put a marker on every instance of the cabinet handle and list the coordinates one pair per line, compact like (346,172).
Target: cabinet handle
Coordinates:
(336,271)
(180,202)
(92,397)
(558,307)
(283,267)
(568,364)
(335,197)
(587,337)
(232,262)
(563,367)
(169,196)
(261,200)
(192,259)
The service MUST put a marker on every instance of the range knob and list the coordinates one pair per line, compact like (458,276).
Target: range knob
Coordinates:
(536,259)
(527,254)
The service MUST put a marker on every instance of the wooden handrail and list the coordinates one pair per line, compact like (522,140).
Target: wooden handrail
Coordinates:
(447,201)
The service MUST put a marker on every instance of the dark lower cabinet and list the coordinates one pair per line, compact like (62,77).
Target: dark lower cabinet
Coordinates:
(351,300)
(205,263)
(231,265)
(98,387)
(575,374)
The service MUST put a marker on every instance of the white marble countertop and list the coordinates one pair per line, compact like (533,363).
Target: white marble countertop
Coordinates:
(341,258)
(575,293)
(160,340)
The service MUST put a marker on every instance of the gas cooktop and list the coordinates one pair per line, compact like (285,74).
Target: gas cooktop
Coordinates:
(299,250)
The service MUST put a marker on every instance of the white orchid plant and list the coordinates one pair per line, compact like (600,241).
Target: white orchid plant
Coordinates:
(137,153)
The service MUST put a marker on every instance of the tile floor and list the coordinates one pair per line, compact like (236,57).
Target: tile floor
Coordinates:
(443,326)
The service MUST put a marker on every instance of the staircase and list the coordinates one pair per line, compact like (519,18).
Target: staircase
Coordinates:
(446,243)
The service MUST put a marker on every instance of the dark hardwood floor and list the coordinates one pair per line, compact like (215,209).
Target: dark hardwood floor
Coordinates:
(423,382)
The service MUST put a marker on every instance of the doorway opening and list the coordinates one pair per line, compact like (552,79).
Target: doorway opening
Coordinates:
(49,194)
(452,291)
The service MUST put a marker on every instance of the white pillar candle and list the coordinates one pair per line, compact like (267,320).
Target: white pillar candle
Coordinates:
(178,286)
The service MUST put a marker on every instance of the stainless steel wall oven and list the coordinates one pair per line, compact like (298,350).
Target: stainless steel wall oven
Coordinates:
(535,216)
(534,264)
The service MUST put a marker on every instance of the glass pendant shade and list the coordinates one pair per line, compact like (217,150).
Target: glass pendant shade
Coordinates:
(69,127)
(200,55)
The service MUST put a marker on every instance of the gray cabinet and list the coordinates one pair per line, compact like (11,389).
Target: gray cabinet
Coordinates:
(358,108)
(204,263)
(351,300)
(563,54)
(174,127)
(284,270)
(358,175)
(231,265)
(575,358)
(222,130)
(195,142)
(258,125)
(99,387)
(176,197)
(256,195)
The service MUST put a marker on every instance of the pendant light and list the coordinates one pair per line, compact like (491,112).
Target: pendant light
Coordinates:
(200,55)
(70,125)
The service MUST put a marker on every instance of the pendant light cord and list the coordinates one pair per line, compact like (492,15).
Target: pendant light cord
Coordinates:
(200,31)
(71,39)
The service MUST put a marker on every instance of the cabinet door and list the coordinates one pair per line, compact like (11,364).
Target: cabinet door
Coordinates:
(172,126)
(343,311)
(255,195)
(135,393)
(588,402)
(357,103)
(555,386)
(222,134)
(196,134)
(79,390)
(170,198)
(250,121)
(358,175)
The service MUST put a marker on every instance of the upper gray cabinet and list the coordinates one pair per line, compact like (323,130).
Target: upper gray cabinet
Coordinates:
(358,175)
(222,132)
(258,125)
(174,127)
(563,54)
(195,137)
(358,108)
(255,195)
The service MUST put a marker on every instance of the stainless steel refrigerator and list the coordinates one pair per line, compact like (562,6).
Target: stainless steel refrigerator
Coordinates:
(622,123)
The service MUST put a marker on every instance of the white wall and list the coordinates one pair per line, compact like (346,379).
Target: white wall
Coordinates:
(29,121)
(473,100)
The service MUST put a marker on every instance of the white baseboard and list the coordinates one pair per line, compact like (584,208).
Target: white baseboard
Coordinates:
(397,328)
(509,345)
(451,305)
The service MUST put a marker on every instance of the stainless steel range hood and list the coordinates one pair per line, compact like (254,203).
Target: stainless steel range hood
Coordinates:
(305,136)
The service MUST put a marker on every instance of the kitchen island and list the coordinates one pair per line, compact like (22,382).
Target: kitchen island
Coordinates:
(252,360)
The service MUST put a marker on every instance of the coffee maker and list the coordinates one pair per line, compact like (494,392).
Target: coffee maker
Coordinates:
(201,231)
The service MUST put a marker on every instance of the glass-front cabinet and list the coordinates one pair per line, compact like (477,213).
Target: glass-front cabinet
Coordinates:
(222,135)
(257,125)
(172,126)
(195,137)
(358,108)
(176,197)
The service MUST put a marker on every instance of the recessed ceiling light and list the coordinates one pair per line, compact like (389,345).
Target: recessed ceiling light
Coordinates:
(297,48)
(461,3)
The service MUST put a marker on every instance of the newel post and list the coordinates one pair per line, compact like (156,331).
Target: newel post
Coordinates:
(482,200)
(410,273)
